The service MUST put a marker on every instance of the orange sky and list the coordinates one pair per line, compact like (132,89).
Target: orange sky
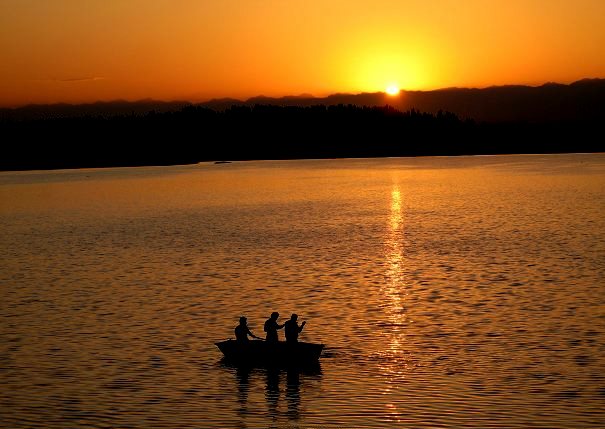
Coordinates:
(87,50)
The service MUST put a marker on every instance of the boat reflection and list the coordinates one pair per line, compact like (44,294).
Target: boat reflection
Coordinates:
(272,391)
(293,394)
(243,388)
(249,378)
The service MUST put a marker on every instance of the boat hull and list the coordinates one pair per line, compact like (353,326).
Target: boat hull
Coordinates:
(261,352)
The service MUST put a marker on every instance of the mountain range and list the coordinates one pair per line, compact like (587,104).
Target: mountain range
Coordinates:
(551,102)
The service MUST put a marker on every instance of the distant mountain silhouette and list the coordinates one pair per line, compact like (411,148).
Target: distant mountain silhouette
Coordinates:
(99,108)
(584,99)
(581,100)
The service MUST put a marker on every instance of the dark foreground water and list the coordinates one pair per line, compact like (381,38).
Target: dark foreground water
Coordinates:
(450,292)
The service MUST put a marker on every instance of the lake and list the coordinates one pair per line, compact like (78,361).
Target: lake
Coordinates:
(451,292)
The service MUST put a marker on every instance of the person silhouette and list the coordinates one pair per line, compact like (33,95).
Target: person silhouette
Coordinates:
(242,331)
(271,327)
(292,329)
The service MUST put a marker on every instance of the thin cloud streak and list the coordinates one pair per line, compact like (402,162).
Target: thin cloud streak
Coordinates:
(73,80)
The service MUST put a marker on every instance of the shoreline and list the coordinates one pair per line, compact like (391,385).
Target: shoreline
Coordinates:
(233,161)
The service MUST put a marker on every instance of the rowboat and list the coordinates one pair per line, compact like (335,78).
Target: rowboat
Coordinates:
(263,352)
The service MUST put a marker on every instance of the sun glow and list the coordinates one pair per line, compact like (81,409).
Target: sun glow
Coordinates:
(60,51)
(392,89)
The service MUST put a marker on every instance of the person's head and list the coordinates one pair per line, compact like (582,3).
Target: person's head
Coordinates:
(274,315)
(294,317)
(242,320)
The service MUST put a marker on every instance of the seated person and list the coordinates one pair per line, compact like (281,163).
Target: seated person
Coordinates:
(242,331)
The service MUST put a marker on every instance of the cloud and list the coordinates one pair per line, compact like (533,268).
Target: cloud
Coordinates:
(73,79)
(81,79)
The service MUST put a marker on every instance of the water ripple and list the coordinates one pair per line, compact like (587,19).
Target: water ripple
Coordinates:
(450,293)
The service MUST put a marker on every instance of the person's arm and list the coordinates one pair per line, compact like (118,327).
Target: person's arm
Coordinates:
(252,335)
(279,326)
(302,325)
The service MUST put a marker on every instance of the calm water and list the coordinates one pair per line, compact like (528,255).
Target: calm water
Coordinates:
(450,292)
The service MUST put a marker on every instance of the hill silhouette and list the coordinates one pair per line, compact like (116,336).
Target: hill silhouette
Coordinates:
(548,102)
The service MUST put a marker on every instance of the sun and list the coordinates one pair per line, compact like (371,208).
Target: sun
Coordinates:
(392,90)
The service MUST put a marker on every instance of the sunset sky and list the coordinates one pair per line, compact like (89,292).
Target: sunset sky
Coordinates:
(88,50)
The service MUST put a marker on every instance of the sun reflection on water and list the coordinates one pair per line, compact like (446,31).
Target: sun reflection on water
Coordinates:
(394,359)
(395,285)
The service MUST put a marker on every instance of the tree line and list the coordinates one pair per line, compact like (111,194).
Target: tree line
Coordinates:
(194,134)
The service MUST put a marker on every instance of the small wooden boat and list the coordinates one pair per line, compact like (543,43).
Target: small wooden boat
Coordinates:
(261,352)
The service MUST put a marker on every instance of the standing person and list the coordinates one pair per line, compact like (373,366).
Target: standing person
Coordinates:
(242,331)
(271,327)
(292,329)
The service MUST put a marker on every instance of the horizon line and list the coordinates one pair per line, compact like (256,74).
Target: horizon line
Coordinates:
(193,100)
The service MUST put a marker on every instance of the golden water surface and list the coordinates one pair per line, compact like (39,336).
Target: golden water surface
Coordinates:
(450,293)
